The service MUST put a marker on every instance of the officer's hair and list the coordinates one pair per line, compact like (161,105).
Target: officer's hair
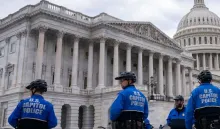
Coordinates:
(39,90)
(205,81)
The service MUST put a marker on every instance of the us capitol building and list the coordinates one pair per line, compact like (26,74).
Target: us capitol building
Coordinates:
(79,56)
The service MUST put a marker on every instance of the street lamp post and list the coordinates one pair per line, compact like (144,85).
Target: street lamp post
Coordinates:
(152,83)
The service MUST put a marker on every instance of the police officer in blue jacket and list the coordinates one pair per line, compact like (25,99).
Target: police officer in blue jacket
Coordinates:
(177,113)
(34,112)
(130,108)
(204,95)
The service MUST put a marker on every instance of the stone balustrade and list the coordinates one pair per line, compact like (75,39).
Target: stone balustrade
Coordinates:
(92,92)
(52,8)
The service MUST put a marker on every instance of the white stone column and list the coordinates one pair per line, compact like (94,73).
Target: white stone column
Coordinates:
(18,63)
(203,40)
(151,68)
(115,63)
(58,59)
(197,61)
(170,78)
(140,67)
(160,82)
(208,40)
(22,57)
(40,52)
(184,81)
(217,60)
(128,58)
(218,40)
(204,61)
(213,40)
(210,61)
(178,78)
(90,66)
(101,83)
(197,40)
(4,70)
(75,63)
(190,81)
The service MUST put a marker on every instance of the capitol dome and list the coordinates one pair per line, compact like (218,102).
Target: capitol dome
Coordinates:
(199,15)
(199,33)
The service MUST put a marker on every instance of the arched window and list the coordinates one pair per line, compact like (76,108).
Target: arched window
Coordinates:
(65,116)
(80,118)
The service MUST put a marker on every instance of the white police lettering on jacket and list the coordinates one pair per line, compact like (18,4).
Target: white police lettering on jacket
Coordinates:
(34,107)
(208,96)
(136,99)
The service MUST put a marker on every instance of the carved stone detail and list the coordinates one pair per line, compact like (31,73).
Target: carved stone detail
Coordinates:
(69,71)
(52,69)
(7,40)
(44,68)
(146,30)
(62,71)
(9,68)
(42,28)
(24,33)
(18,35)
(85,73)
(77,38)
(60,34)
(1,72)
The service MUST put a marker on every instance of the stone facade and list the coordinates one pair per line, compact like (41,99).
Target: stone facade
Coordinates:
(79,56)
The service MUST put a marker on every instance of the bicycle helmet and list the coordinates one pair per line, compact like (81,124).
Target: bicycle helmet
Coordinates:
(127,76)
(39,85)
(205,76)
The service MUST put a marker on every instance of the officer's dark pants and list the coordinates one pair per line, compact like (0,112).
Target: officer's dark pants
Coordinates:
(128,124)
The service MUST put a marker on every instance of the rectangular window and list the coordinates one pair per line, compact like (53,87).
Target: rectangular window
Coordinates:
(12,49)
(70,80)
(4,117)
(53,78)
(85,82)
(9,82)
(2,51)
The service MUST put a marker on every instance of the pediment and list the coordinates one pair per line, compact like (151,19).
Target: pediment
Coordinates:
(145,29)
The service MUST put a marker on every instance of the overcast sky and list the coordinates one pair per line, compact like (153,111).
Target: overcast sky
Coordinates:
(165,14)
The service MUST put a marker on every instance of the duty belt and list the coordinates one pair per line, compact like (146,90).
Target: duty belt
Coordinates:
(128,124)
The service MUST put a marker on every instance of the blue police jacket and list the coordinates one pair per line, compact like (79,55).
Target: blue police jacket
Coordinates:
(174,114)
(129,99)
(36,108)
(204,95)
(147,124)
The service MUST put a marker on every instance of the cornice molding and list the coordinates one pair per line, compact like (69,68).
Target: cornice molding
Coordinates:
(190,31)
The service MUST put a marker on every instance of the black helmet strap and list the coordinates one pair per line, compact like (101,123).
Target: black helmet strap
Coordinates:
(33,92)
